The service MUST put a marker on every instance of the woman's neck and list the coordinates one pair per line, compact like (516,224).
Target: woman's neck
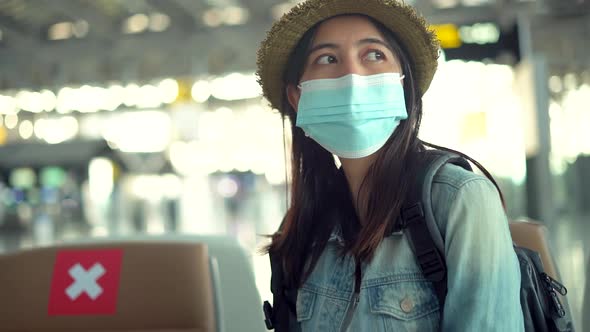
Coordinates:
(355,171)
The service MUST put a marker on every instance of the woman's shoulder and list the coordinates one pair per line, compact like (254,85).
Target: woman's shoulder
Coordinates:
(454,185)
(457,177)
(453,182)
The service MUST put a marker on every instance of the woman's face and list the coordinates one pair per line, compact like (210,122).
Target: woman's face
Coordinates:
(346,45)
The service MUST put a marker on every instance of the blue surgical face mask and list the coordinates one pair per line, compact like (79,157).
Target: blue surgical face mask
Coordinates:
(352,116)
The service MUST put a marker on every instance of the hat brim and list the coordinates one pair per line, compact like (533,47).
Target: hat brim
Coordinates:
(409,27)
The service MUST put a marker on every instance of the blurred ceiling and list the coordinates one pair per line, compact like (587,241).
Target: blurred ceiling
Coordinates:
(52,43)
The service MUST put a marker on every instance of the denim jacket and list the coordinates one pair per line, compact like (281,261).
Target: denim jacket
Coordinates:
(483,272)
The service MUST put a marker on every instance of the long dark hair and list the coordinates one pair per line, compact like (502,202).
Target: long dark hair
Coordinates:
(320,198)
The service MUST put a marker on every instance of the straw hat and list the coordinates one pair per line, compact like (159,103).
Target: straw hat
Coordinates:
(410,28)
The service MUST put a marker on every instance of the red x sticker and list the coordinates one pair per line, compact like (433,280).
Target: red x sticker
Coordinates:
(85,282)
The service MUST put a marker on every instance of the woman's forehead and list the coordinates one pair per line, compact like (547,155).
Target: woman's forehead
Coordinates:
(346,27)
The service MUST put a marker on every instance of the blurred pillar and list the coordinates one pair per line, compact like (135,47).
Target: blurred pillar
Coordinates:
(582,185)
(540,204)
(586,304)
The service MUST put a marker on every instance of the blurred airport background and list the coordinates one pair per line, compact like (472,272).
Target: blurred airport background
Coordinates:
(123,117)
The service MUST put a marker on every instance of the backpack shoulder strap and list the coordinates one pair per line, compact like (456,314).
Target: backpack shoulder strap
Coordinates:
(281,315)
(418,219)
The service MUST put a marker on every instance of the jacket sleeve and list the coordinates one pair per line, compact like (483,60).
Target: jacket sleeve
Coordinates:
(483,270)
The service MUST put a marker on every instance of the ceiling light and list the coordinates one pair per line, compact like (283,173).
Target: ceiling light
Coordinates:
(570,82)
(475,3)
(169,90)
(236,86)
(132,95)
(26,129)
(80,29)
(480,33)
(11,121)
(201,91)
(213,17)
(159,22)
(30,101)
(60,31)
(49,100)
(149,97)
(555,84)
(445,3)
(136,24)
(57,130)
(8,105)
(65,98)
(235,15)
(140,131)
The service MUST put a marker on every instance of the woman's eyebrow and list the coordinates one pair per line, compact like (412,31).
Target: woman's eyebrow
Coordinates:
(373,41)
(358,43)
(323,45)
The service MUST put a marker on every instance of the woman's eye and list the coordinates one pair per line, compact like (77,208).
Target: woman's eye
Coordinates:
(375,56)
(326,59)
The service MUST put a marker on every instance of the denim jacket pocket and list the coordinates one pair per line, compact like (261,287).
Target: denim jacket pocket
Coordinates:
(405,305)
(305,303)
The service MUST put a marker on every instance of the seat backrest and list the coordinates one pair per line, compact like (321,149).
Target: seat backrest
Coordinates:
(533,235)
(108,287)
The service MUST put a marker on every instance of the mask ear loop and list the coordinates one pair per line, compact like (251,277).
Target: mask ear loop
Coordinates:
(287,198)
(298,87)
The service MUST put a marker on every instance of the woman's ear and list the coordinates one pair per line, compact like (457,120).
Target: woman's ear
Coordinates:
(293,95)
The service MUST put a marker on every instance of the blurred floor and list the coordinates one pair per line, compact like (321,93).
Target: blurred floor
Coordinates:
(570,239)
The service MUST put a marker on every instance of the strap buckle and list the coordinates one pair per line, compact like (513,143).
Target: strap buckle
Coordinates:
(268,314)
(432,265)
(411,214)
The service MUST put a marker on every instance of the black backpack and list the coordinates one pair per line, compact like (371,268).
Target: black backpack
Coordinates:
(543,310)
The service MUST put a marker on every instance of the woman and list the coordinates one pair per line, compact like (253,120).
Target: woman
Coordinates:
(350,75)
